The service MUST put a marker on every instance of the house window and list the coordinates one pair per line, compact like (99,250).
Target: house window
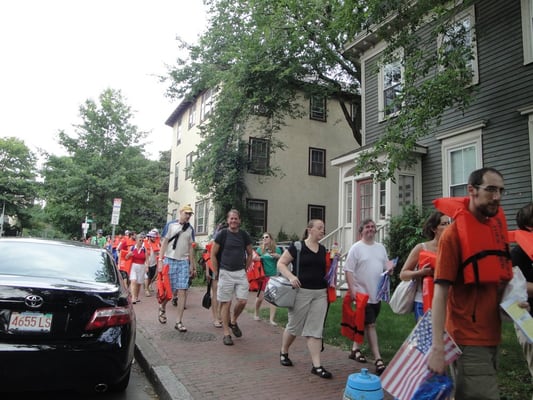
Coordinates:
(316,212)
(174,214)
(201,211)
(406,191)
(462,163)
(461,32)
(192,115)
(461,154)
(317,162)
(257,210)
(366,200)
(178,133)
(206,106)
(348,206)
(258,156)
(188,165)
(390,88)
(317,108)
(527,30)
(176,175)
(382,200)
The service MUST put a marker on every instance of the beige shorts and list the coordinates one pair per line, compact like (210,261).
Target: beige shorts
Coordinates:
(230,283)
(306,318)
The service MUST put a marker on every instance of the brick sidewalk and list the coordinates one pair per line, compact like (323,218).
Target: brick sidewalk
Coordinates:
(207,369)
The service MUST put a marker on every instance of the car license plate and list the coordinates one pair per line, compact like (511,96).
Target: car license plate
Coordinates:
(30,322)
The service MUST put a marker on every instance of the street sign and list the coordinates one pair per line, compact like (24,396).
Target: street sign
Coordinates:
(115,216)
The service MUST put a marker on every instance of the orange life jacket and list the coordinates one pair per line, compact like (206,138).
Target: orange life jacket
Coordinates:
(484,246)
(256,273)
(206,255)
(164,290)
(426,257)
(123,264)
(353,320)
(524,240)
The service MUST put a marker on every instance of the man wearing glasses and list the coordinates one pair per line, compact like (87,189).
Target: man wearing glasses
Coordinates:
(473,266)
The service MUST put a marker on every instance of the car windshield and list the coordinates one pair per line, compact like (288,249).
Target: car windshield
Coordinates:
(50,260)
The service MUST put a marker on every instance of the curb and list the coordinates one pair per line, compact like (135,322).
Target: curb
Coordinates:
(165,382)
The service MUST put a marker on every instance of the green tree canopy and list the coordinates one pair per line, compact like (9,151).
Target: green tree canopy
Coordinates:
(105,161)
(260,54)
(18,184)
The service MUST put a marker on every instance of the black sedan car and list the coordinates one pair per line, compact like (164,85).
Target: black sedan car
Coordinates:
(66,318)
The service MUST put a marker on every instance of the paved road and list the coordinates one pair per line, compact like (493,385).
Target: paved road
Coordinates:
(139,388)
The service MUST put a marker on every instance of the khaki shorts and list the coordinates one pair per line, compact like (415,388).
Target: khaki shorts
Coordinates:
(232,282)
(306,318)
(475,373)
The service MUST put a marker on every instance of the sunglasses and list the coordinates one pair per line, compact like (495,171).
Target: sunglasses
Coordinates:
(266,237)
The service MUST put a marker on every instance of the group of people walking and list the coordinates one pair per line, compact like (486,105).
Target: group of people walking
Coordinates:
(467,256)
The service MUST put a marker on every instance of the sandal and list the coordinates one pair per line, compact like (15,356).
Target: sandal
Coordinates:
(357,356)
(285,360)
(162,316)
(180,327)
(321,371)
(217,324)
(380,366)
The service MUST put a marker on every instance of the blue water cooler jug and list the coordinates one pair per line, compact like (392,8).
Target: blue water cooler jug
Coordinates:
(363,386)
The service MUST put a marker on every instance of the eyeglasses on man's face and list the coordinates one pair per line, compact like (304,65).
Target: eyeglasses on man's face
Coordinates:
(492,189)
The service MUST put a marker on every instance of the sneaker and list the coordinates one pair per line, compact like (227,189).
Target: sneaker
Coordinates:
(227,340)
(235,329)
(174,301)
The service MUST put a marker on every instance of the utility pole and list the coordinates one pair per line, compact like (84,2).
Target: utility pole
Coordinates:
(2,219)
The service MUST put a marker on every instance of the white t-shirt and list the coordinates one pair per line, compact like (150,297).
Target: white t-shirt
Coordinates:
(181,252)
(366,262)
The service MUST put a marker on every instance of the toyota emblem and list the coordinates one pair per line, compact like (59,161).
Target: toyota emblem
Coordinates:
(33,301)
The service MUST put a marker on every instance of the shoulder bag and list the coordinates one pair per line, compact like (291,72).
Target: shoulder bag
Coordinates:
(403,298)
(279,290)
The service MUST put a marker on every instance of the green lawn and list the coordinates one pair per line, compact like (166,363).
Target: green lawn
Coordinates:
(514,378)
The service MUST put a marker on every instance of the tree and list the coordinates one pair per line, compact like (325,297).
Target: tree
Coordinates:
(18,184)
(260,54)
(104,162)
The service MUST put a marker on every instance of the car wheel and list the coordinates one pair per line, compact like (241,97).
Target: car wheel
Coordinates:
(121,385)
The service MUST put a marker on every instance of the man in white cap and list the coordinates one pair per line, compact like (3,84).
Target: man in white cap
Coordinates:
(178,252)
(152,244)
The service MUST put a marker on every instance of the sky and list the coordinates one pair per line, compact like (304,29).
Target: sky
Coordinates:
(56,54)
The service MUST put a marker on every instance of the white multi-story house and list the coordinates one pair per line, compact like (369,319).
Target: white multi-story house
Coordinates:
(307,187)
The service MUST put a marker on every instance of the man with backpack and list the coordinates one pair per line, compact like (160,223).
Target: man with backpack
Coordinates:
(177,251)
(231,256)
